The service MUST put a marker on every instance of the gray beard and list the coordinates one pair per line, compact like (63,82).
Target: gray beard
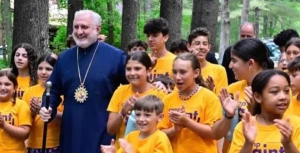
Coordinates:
(90,41)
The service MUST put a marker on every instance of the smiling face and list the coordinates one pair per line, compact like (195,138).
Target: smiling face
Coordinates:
(136,72)
(7,88)
(239,67)
(200,47)
(147,121)
(85,32)
(21,58)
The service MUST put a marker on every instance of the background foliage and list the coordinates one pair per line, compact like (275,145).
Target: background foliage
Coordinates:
(282,13)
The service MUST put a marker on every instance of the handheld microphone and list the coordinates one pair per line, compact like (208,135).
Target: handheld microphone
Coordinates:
(48,87)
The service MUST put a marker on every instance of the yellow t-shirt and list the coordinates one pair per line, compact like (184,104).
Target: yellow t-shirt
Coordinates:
(158,142)
(36,132)
(23,85)
(17,114)
(121,95)
(218,74)
(203,107)
(163,66)
(240,87)
(243,106)
(295,106)
(268,138)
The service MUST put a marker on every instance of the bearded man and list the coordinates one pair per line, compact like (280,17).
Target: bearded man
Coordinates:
(87,76)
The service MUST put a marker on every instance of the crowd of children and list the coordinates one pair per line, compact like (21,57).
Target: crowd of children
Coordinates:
(21,89)
(176,101)
(194,117)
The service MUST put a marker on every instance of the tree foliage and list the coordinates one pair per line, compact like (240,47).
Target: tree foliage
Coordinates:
(281,14)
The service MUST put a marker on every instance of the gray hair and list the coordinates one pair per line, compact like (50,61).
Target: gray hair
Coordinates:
(96,17)
(248,23)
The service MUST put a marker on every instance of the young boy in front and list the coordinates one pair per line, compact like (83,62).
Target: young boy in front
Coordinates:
(168,83)
(294,72)
(148,139)
(157,33)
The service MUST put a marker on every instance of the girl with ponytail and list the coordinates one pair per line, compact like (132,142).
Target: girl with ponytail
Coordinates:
(248,58)
(193,118)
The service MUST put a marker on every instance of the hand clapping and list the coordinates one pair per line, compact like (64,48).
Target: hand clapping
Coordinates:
(249,127)
(35,106)
(129,104)
(126,146)
(285,129)
(249,99)
(210,83)
(229,105)
(178,117)
(109,148)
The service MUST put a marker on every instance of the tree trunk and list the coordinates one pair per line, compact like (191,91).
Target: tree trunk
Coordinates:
(6,30)
(73,6)
(129,21)
(148,5)
(31,23)
(171,10)
(256,16)
(225,28)
(272,24)
(110,11)
(245,11)
(205,14)
(265,25)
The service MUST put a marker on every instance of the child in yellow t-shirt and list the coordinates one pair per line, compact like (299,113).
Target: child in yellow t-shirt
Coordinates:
(157,33)
(15,119)
(294,72)
(270,129)
(214,74)
(33,96)
(193,114)
(148,139)
(163,66)
(138,67)
(248,58)
(168,83)
(23,66)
